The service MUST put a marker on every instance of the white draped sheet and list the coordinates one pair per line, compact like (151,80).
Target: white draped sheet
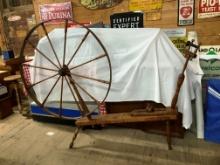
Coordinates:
(145,66)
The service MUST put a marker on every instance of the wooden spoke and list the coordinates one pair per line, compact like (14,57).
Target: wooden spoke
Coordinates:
(61,98)
(32,85)
(41,53)
(39,67)
(51,45)
(99,57)
(64,49)
(90,78)
(50,91)
(84,38)
(74,97)
(81,101)
(92,97)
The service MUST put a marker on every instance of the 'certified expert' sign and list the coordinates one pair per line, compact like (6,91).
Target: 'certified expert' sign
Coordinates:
(127,20)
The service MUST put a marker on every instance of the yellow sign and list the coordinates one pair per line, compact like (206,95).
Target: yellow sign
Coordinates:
(179,42)
(145,5)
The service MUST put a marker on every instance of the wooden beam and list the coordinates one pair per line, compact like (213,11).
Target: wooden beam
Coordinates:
(115,118)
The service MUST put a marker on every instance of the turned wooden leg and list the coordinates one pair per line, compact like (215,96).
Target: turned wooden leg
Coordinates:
(76,131)
(168,134)
(15,87)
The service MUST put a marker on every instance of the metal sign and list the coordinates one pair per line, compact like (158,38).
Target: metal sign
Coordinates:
(99,4)
(210,67)
(209,50)
(209,8)
(127,20)
(186,12)
(55,11)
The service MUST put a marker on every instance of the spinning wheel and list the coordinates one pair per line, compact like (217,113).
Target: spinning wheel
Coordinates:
(75,70)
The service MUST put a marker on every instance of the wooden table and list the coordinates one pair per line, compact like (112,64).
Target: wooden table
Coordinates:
(3,73)
(15,63)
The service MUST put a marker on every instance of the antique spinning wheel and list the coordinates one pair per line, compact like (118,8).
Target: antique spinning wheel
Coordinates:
(71,66)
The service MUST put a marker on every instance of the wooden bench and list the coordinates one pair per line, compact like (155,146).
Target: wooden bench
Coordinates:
(159,114)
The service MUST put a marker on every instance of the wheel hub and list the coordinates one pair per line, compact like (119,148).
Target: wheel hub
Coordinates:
(64,71)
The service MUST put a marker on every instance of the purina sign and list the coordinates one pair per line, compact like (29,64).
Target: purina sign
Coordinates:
(56,11)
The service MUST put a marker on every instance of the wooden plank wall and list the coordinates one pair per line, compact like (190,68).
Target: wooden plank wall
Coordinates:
(208,30)
(2,35)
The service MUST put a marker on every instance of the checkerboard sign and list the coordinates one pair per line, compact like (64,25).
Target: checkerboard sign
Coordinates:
(27,76)
(102,108)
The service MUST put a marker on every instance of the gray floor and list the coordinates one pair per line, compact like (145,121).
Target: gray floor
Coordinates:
(25,141)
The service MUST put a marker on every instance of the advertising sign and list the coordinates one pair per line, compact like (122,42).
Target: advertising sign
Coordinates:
(151,8)
(210,59)
(175,32)
(145,5)
(178,37)
(186,12)
(210,67)
(98,4)
(55,11)
(127,20)
(210,50)
(209,8)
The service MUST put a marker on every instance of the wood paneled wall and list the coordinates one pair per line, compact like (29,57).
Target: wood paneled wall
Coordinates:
(208,29)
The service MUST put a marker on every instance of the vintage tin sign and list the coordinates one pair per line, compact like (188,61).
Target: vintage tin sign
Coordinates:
(55,11)
(99,4)
(210,67)
(210,59)
(127,20)
(178,37)
(209,8)
(209,50)
(186,12)
(145,5)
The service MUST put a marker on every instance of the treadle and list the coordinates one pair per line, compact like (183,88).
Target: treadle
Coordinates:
(129,117)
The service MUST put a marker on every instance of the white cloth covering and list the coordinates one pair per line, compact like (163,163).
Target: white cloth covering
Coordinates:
(145,66)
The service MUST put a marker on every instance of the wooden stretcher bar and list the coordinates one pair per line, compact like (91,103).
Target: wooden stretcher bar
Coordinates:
(129,117)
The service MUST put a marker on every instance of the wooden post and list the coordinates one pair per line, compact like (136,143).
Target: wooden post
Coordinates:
(76,132)
(3,42)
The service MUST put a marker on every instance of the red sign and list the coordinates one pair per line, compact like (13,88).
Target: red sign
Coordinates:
(186,12)
(209,8)
(56,11)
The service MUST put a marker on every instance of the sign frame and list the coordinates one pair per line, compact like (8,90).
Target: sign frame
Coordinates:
(127,20)
(186,13)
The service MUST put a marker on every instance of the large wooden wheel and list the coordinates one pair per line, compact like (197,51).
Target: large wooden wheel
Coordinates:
(71,65)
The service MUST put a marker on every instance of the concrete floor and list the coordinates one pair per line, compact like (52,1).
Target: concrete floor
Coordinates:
(27,142)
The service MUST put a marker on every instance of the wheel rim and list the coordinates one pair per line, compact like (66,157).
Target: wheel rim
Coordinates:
(65,73)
